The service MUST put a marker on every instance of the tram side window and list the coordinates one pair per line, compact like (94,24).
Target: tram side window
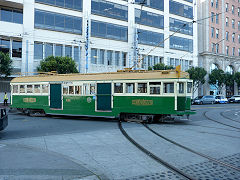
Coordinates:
(65,89)
(181,88)
(29,89)
(155,87)
(78,90)
(15,88)
(22,88)
(142,87)
(37,88)
(189,87)
(85,89)
(168,87)
(130,87)
(118,87)
(92,89)
(71,89)
(44,88)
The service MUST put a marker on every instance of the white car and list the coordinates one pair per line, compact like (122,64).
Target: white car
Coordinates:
(221,100)
(234,99)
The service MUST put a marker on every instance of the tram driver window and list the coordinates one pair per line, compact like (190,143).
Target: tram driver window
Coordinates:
(181,88)
(29,89)
(142,87)
(130,88)
(15,88)
(71,89)
(65,89)
(189,87)
(118,87)
(168,87)
(155,87)
(37,88)
(22,88)
(44,88)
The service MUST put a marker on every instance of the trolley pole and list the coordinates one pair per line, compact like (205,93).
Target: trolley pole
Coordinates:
(87,45)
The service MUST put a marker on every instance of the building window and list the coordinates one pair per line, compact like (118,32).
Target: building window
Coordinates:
(156,4)
(38,50)
(17,49)
(181,26)
(233,51)
(239,12)
(216,3)
(217,33)
(180,9)
(217,48)
(77,54)
(212,17)
(69,4)
(213,32)
(238,51)
(150,38)
(226,21)
(109,31)
(124,59)
(217,18)
(58,22)
(239,25)
(109,57)
(94,56)
(117,56)
(11,15)
(233,23)
(233,37)
(58,50)
(239,39)
(212,3)
(109,9)
(227,33)
(227,50)
(149,19)
(4,46)
(48,50)
(233,9)
(213,47)
(68,51)
(181,43)
(102,56)
(226,7)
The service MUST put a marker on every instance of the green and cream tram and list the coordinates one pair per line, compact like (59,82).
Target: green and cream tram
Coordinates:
(144,95)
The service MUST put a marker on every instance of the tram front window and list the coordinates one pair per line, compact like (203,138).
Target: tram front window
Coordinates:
(189,87)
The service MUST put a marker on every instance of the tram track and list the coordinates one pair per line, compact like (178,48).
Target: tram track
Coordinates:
(222,114)
(205,115)
(191,150)
(153,156)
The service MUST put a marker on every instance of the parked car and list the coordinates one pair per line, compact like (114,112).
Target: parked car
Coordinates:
(196,100)
(204,100)
(221,99)
(234,99)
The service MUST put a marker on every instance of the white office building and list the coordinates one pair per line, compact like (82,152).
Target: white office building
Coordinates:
(100,35)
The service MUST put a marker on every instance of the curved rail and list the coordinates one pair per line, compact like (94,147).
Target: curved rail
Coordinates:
(219,122)
(157,159)
(191,150)
(221,113)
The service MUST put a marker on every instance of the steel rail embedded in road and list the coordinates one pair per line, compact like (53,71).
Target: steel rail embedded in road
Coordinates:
(218,121)
(221,113)
(153,156)
(191,150)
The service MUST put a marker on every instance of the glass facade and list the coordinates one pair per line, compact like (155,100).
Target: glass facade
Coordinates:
(149,19)
(181,43)
(11,15)
(150,38)
(58,22)
(70,4)
(108,31)
(109,9)
(58,50)
(156,4)
(38,50)
(181,26)
(68,51)
(180,9)
(48,50)
(94,56)
(17,49)
(4,46)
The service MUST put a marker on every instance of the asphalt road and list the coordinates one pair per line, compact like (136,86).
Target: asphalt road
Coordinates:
(86,148)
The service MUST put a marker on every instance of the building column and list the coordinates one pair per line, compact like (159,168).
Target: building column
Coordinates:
(131,33)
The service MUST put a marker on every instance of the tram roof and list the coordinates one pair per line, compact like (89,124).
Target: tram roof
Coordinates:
(121,75)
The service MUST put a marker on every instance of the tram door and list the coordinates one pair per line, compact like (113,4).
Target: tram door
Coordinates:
(104,96)
(56,96)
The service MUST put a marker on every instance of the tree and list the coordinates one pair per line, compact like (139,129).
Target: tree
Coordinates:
(229,79)
(217,79)
(5,64)
(237,78)
(63,65)
(197,74)
(160,66)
